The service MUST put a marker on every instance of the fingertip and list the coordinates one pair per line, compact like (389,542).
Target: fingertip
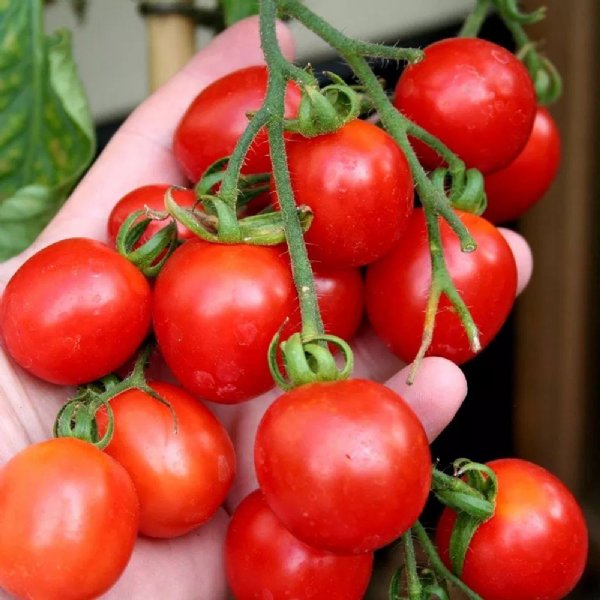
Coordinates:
(523,257)
(436,394)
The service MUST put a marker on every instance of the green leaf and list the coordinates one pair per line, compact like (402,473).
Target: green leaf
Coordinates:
(236,10)
(23,216)
(47,135)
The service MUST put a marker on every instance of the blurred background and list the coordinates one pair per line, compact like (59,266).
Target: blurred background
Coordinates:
(533,392)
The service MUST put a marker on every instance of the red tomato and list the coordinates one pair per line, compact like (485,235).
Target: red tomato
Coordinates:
(182,476)
(264,560)
(397,289)
(68,521)
(513,190)
(473,95)
(340,296)
(360,188)
(216,309)
(344,465)
(537,536)
(216,119)
(74,312)
(151,196)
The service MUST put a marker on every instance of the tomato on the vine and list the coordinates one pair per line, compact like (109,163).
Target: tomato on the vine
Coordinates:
(212,125)
(397,288)
(359,186)
(181,459)
(153,197)
(68,521)
(535,545)
(512,191)
(216,310)
(264,560)
(74,312)
(344,465)
(473,95)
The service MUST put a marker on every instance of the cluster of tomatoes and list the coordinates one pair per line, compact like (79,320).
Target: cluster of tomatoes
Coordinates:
(344,467)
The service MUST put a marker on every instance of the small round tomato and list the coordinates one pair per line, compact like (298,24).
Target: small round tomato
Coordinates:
(513,190)
(537,536)
(359,186)
(344,465)
(474,96)
(216,310)
(216,119)
(151,196)
(182,470)
(264,560)
(340,295)
(74,312)
(397,289)
(68,521)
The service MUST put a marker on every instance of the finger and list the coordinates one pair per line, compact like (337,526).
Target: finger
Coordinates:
(436,394)
(523,257)
(140,152)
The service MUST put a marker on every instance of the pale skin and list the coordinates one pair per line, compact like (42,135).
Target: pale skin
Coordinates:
(191,567)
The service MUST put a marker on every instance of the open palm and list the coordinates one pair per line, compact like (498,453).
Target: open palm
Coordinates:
(140,153)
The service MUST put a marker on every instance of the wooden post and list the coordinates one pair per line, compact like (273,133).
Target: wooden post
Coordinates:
(171,43)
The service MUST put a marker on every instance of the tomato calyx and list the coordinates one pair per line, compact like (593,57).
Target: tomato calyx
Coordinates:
(325,110)
(471,492)
(467,189)
(220,223)
(512,10)
(77,417)
(308,359)
(152,254)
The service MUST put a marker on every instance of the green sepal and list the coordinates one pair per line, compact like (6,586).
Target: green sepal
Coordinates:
(510,10)
(325,110)
(463,531)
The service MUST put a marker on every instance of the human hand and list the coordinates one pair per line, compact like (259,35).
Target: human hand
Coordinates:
(139,154)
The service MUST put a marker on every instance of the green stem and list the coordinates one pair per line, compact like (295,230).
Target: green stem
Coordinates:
(455,165)
(393,53)
(474,21)
(230,184)
(413,583)
(312,324)
(438,566)
(434,201)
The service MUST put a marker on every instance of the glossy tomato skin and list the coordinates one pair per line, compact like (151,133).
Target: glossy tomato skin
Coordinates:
(181,475)
(340,293)
(537,536)
(474,96)
(212,125)
(512,191)
(68,521)
(264,560)
(359,186)
(74,312)
(345,465)
(151,196)
(216,309)
(397,288)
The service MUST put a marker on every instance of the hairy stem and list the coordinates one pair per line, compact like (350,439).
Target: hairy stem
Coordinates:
(438,566)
